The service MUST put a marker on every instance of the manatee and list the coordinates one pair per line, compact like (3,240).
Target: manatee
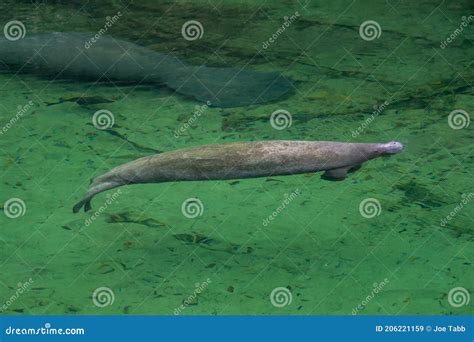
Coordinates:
(241,160)
(71,55)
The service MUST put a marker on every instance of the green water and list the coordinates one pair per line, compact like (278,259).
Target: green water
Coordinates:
(319,247)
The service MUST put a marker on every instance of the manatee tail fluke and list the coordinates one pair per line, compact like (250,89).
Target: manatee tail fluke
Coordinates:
(230,87)
(94,190)
(86,203)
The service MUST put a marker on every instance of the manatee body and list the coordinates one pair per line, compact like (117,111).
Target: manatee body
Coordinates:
(72,55)
(241,160)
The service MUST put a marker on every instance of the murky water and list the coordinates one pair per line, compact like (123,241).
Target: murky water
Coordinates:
(319,253)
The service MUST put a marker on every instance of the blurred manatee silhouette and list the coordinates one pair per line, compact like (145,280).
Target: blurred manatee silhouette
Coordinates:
(69,55)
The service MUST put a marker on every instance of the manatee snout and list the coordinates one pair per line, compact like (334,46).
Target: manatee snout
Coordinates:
(392,147)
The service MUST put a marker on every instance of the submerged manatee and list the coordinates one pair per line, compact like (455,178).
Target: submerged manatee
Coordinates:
(68,55)
(241,160)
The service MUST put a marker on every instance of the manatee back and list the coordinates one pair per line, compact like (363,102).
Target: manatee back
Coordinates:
(72,54)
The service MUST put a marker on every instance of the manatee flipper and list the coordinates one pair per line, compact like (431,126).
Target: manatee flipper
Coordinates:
(355,168)
(335,174)
(229,87)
